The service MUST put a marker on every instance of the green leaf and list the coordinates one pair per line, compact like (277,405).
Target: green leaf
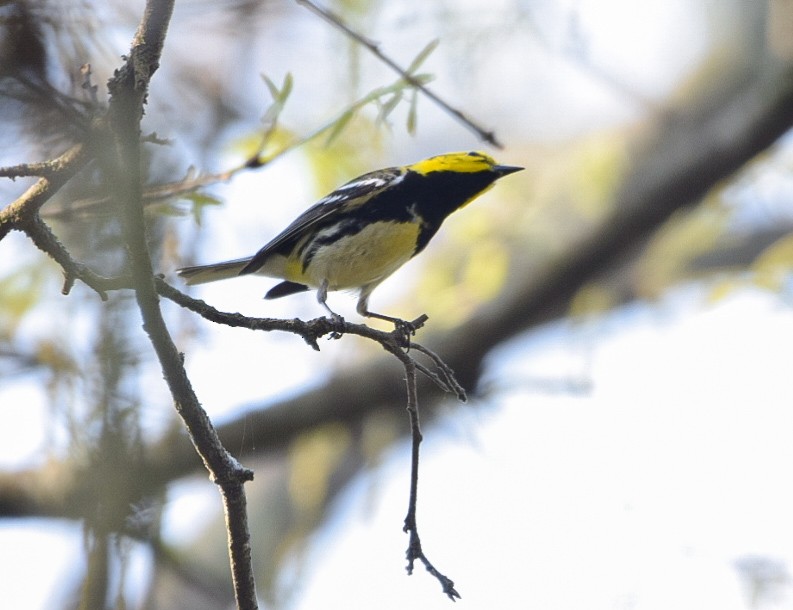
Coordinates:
(286,88)
(423,79)
(274,92)
(772,267)
(412,120)
(422,56)
(200,201)
(168,209)
(389,105)
(20,291)
(279,97)
(339,126)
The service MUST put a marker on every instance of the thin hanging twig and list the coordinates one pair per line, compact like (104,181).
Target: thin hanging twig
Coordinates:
(487,135)
(415,550)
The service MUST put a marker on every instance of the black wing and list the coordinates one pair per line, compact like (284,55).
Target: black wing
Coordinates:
(348,196)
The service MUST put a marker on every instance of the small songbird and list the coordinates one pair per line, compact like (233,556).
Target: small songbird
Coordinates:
(366,229)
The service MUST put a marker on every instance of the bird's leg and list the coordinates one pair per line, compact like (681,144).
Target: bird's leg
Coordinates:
(322,296)
(402,327)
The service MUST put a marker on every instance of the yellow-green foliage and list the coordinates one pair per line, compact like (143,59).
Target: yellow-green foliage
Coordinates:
(773,266)
(314,457)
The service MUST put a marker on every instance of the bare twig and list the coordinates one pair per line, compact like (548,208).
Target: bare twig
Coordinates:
(46,241)
(53,175)
(75,112)
(447,378)
(309,331)
(150,195)
(332,18)
(312,330)
(24,170)
(415,550)
(88,86)
(158,193)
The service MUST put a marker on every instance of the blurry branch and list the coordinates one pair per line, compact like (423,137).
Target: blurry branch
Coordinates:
(150,195)
(128,90)
(691,152)
(338,22)
(115,144)
(71,111)
(45,169)
(24,213)
(53,175)
(386,98)
(41,235)
(739,251)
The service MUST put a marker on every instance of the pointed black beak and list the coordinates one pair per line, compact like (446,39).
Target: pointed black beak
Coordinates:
(505,170)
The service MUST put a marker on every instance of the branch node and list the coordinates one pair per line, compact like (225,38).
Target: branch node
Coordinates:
(445,378)
(68,283)
(88,85)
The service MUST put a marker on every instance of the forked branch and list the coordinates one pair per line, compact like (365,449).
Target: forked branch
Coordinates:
(415,550)
(394,343)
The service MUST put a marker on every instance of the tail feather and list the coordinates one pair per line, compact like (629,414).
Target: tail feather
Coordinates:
(201,274)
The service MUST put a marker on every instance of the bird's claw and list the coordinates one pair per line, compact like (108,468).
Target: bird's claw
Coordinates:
(404,330)
(338,322)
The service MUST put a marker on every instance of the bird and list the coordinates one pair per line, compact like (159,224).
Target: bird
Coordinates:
(366,229)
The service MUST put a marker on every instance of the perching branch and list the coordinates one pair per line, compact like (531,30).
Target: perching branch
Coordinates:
(337,22)
(393,342)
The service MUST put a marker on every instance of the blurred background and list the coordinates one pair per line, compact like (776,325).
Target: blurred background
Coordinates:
(620,312)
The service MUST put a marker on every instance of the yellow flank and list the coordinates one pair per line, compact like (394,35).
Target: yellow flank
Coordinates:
(461,162)
(353,261)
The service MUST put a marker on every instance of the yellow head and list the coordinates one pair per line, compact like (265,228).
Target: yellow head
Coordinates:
(459,162)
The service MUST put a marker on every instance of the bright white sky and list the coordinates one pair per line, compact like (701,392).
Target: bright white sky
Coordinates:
(643,490)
